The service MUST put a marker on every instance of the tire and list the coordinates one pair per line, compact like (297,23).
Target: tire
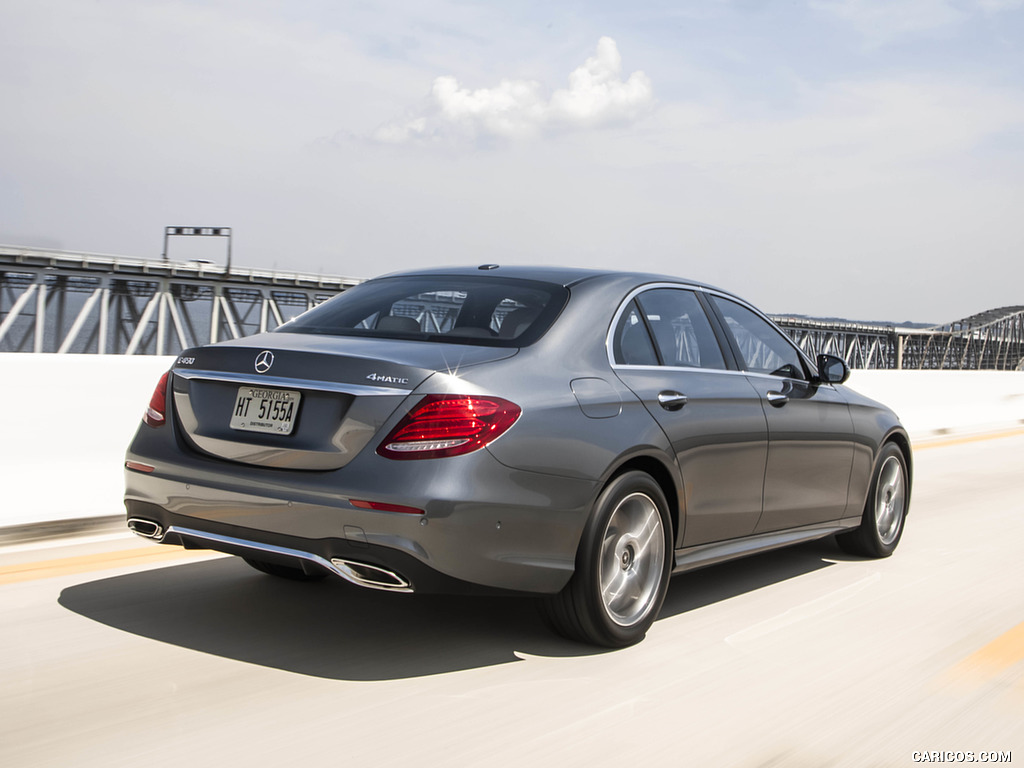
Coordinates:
(622,567)
(885,511)
(284,571)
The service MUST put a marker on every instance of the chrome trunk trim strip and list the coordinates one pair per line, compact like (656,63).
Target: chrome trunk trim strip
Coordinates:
(362,390)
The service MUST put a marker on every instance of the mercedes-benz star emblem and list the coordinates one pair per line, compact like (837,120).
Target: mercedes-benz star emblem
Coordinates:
(264,360)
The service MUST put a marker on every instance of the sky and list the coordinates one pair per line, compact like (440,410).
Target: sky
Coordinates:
(853,158)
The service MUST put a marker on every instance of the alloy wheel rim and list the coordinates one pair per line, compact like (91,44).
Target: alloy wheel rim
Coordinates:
(632,559)
(890,496)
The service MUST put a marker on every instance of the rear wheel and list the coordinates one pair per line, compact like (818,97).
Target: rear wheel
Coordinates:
(622,567)
(283,571)
(885,511)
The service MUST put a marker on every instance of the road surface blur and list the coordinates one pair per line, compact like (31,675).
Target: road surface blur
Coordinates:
(129,653)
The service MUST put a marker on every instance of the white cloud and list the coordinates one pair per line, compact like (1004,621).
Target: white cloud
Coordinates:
(596,93)
(597,96)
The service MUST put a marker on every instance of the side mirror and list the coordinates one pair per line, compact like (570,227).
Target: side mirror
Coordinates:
(832,369)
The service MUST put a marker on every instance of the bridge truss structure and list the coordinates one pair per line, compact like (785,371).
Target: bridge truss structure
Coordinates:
(64,302)
(55,301)
(991,340)
(860,345)
(988,341)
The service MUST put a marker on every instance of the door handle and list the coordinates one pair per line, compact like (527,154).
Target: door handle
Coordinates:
(671,401)
(777,399)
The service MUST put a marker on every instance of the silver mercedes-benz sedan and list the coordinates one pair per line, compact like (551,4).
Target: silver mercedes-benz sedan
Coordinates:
(579,435)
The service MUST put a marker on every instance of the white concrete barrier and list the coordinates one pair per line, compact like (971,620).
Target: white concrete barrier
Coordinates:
(935,403)
(67,419)
(66,422)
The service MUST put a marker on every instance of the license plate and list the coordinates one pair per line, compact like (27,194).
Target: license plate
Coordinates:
(258,409)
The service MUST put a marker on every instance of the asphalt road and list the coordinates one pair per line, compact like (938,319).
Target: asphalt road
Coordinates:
(128,654)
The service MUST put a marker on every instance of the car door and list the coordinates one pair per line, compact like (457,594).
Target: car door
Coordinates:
(810,430)
(665,351)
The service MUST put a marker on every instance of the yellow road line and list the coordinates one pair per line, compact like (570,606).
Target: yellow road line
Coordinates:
(12,574)
(942,443)
(1002,653)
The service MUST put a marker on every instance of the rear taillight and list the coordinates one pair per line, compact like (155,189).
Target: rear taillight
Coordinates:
(156,413)
(449,425)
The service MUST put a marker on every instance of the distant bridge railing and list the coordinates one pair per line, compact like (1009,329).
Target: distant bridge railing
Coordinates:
(58,301)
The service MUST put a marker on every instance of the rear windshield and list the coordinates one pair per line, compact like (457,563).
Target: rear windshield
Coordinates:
(488,311)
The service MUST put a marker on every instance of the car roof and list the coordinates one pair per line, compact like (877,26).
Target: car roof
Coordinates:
(566,276)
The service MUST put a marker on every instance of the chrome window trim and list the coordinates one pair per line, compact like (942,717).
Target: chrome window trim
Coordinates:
(771,377)
(257,380)
(686,369)
(727,371)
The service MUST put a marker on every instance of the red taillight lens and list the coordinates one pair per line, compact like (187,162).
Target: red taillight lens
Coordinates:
(156,413)
(449,425)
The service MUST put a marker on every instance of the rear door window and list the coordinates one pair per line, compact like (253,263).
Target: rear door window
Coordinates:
(681,329)
(666,326)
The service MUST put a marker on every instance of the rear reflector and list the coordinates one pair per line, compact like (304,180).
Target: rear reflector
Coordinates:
(381,506)
(449,425)
(138,466)
(156,413)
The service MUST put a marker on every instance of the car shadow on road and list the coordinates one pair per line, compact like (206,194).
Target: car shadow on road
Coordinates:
(333,630)
(696,589)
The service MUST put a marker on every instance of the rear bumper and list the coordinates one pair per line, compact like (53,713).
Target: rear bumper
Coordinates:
(513,531)
(367,566)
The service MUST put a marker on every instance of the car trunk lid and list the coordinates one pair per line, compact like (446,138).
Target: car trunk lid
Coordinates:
(298,401)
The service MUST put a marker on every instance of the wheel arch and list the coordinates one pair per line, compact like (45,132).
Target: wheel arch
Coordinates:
(666,479)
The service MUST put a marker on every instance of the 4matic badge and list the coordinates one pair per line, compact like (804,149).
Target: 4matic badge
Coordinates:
(387,379)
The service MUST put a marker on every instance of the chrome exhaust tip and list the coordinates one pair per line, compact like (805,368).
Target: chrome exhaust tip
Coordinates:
(146,528)
(371,576)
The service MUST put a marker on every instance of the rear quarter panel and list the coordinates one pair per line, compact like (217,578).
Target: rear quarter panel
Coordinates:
(554,435)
